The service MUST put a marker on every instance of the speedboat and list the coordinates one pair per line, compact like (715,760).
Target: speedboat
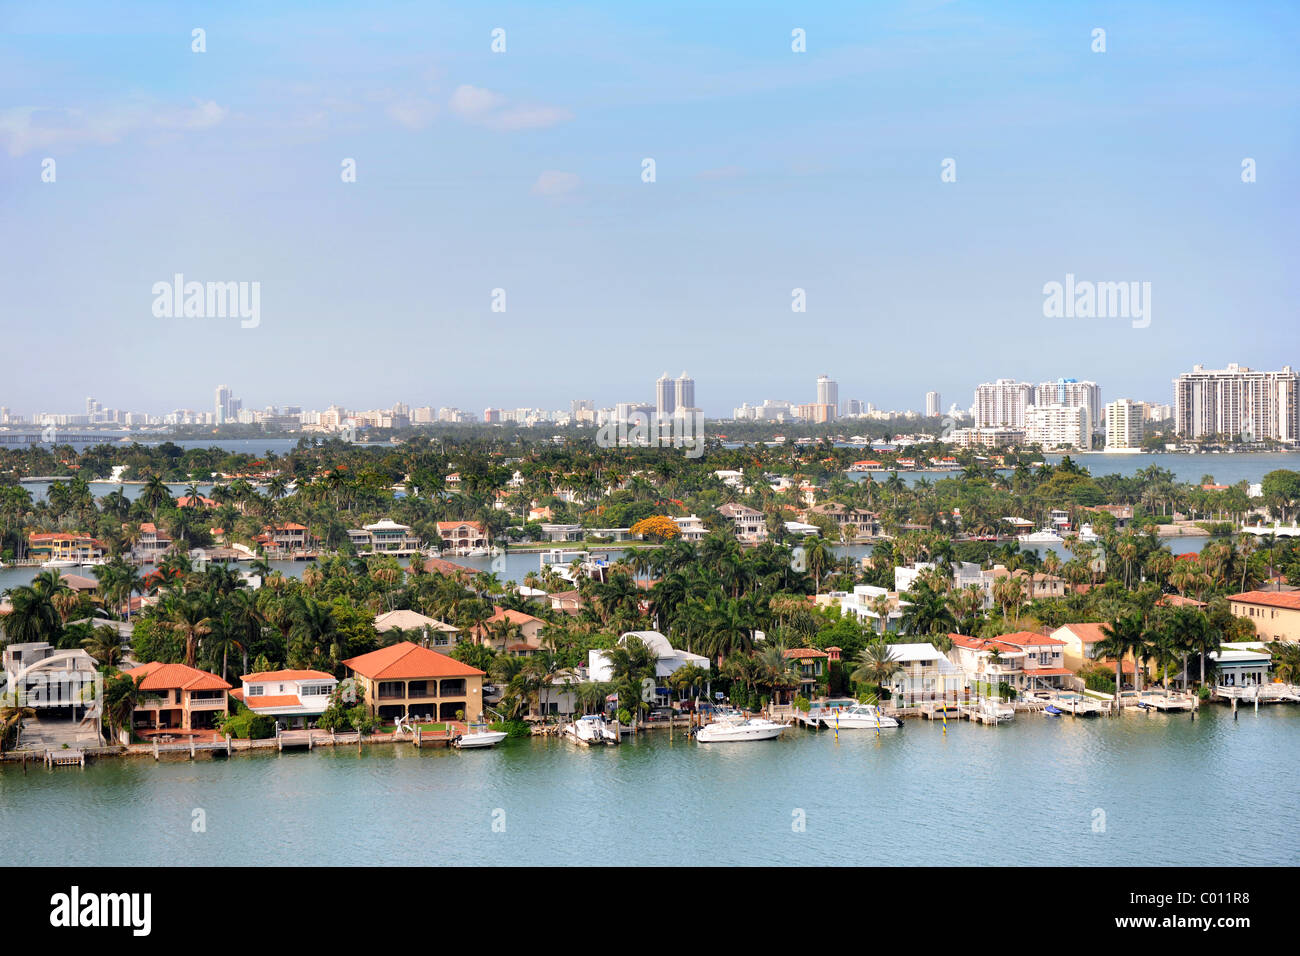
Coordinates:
(479,738)
(858,717)
(1045,536)
(739,730)
(59,563)
(997,709)
(94,563)
(592,730)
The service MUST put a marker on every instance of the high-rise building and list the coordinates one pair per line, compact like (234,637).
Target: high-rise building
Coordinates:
(1125,424)
(853,407)
(1002,404)
(932,404)
(1238,402)
(221,407)
(1059,426)
(1071,391)
(665,396)
(828,393)
(685,394)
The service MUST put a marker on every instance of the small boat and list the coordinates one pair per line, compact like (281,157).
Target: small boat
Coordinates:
(591,730)
(1053,711)
(997,709)
(1045,536)
(858,717)
(94,563)
(739,730)
(479,738)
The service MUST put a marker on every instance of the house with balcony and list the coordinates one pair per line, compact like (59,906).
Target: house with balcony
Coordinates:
(293,698)
(462,536)
(861,602)
(748,524)
(1023,660)
(64,546)
(152,545)
(406,680)
(691,528)
(431,632)
(925,675)
(1241,670)
(49,679)
(853,522)
(384,537)
(813,666)
(669,661)
(178,699)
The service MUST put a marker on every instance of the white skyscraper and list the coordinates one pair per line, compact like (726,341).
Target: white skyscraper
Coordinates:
(685,392)
(1002,404)
(1070,391)
(1238,401)
(932,404)
(1125,424)
(1059,426)
(221,407)
(665,396)
(828,393)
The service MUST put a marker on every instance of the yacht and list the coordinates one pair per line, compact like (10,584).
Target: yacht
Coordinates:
(60,563)
(1045,536)
(480,737)
(858,717)
(997,709)
(739,730)
(591,729)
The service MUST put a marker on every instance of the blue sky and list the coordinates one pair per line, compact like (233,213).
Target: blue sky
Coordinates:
(522,170)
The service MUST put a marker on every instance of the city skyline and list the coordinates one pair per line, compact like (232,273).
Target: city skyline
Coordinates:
(479,172)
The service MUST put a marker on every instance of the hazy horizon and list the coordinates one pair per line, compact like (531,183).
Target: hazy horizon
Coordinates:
(522,170)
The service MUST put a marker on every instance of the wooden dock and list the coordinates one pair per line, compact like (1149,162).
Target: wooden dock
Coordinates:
(65,758)
(190,747)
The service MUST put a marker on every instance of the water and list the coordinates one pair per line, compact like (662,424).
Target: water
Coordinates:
(1023,793)
(1225,469)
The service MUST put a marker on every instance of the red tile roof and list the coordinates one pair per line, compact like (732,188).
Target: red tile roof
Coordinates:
(157,676)
(1287,600)
(1025,638)
(798,653)
(407,661)
(263,677)
(263,702)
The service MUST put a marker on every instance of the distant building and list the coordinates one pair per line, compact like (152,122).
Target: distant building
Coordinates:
(1239,403)
(665,396)
(1125,425)
(1002,404)
(828,394)
(1059,426)
(1072,392)
(932,404)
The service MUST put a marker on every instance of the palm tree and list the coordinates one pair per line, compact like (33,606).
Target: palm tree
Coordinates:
(188,619)
(11,722)
(104,645)
(876,664)
(1122,636)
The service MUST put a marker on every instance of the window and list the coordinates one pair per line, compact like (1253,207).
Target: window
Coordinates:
(256,690)
(317,690)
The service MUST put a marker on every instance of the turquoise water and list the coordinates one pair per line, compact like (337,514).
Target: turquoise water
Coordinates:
(1172,791)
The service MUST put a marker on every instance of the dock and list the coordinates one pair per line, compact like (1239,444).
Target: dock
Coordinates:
(65,758)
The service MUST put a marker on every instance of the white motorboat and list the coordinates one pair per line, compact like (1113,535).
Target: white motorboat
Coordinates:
(479,738)
(592,730)
(1087,534)
(94,563)
(1045,536)
(997,709)
(739,730)
(59,563)
(858,717)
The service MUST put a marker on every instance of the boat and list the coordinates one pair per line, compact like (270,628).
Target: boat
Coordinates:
(481,737)
(1044,536)
(858,717)
(997,709)
(739,730)
(59,563)
(93,563)
(590,729)
(1053,711)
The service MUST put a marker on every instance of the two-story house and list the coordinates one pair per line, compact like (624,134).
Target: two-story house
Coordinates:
(510,632)
(462,536)
(1275,614)
(812,665)
(152,544)
(64,546)
(294,698)
(924,674)
(177,699)
(748,524)
(406,680)
(384,537)
(433,633)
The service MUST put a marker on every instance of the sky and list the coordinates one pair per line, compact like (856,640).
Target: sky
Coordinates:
(522,171)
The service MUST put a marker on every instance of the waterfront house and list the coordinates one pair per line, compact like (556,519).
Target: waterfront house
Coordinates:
(853,522)
(47,678)
(812,665)
(1240,667)
(406,680)
(461,536)
(177,698)
(1275,614)
(384,537)
(747,523)
(436,634)
(294,698)
(152,544)
(525,637)
(1079,650)
(1023,660)
(670,660)
(285,538)
(64,546)
(926,675)
(861,602)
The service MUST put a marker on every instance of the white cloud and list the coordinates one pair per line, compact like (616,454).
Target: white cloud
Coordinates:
(474,101)
(553,182)
(486,108)
(413,114)
(537,117)
(27,128)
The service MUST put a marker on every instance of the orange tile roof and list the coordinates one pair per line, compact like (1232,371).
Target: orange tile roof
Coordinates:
(1028,637)
(263,702)
(1287,600)
(1088,632)
(262,677)
(795,653)
(158,676)
(409,661)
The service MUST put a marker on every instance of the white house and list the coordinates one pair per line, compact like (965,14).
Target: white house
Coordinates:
(292,697)
(926,675)
(671,660)
(437,635)
(691,527)
(747,523)
(384,537)
(860,603)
